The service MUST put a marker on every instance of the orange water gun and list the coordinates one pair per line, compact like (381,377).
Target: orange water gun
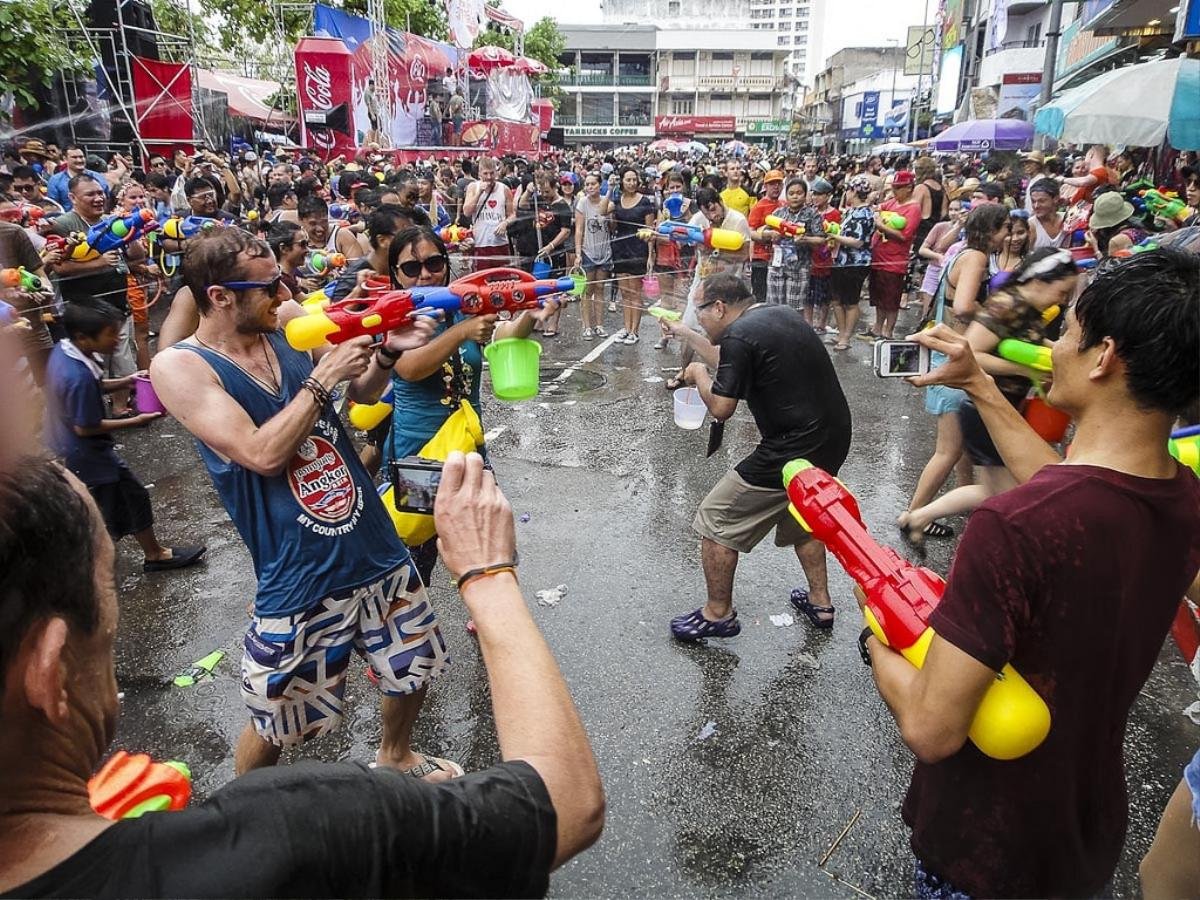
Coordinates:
(129,785)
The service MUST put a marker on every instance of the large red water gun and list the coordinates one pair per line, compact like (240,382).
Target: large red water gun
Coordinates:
(1012,719)
(129,785)
(489,291)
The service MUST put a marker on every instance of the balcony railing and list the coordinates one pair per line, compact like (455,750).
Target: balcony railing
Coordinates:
(565,120)
(633,119)
(1016,45)
(589,79)
(635,80)
(585,119)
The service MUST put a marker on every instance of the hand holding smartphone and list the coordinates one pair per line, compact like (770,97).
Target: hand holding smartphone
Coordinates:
(900,359)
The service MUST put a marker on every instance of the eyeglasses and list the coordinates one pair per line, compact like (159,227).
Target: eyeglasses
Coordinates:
(703,306)
(24,187)
(303,243)
(204,195)
(271,287)
(434,265)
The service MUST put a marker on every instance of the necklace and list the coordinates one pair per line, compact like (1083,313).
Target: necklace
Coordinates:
(266,358)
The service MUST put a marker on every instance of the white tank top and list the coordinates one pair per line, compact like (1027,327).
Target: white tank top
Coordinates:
(1042,237)
(488,216)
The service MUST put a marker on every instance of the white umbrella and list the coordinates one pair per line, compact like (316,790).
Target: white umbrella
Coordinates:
(892,148)
(1137,106)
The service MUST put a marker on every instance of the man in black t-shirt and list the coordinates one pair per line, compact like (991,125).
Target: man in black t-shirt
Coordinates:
(309,830)
(543,224)
(771,358)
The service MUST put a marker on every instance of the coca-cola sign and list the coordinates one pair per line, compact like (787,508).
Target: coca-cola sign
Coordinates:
(316,86)
(693,124)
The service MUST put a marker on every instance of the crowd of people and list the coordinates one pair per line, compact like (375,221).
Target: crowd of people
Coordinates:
(1069,570)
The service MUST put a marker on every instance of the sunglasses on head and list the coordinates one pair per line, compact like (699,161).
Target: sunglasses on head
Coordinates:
(434,265)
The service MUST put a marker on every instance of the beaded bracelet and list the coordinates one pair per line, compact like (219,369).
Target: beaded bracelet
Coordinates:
(494,569)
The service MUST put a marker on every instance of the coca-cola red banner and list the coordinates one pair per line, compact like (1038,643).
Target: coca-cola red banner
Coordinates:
(693,124)
(323,79)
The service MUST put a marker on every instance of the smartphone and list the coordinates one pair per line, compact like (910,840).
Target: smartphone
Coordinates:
(900,359)
(415,482)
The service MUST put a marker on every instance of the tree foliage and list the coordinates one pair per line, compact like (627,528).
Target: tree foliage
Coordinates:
(32,50)
(543,42)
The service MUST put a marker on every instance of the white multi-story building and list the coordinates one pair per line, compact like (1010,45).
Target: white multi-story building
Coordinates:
(628,83)
(794,25)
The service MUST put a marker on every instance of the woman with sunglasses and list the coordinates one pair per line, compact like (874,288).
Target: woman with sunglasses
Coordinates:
(429,383)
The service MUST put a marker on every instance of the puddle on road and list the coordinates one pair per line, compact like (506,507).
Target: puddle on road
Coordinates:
(580,381)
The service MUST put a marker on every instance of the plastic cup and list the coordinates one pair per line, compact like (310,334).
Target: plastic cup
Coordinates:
(689,408)
(513,363)
(144,396)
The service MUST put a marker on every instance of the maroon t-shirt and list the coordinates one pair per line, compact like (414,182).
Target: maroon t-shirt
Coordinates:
(1074,578)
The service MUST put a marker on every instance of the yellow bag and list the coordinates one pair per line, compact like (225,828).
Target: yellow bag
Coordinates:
(462,431)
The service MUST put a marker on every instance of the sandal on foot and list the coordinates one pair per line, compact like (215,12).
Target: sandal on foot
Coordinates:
(840,346)
(814,613)
(938,530)
(434,764)
(693,626)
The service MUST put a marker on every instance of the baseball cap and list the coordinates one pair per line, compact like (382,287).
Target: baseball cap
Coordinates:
(903,178)
(250,156)
(606,168)
(820,186)
(773,175)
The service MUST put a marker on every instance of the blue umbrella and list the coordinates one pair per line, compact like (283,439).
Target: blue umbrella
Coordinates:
(1136,106)
(981,135)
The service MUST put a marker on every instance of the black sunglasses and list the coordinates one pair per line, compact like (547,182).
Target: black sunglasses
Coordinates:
(434,265)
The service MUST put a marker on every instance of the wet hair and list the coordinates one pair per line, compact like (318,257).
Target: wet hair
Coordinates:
(728,288)
(924,167)
(311,206)
(88,320)
(159,181)
(277,192)
(42,516)
(215,257)
(707,195)
(1147,305)
(196,185)
(307,186)
(81,178)
(982,222)
(386,221)
(281,235)
(992,190)
(24,172)
(1045,186)
(411,237)
(367,197)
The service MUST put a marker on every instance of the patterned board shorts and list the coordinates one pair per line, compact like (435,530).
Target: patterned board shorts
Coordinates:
(294,667)
(788,286)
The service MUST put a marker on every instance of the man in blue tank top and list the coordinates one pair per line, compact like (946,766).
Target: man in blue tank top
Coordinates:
(333,577)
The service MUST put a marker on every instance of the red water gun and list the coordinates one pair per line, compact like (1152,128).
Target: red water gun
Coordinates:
(129,785)
(356,317)
(22,214)
(506,290)
(1012,719)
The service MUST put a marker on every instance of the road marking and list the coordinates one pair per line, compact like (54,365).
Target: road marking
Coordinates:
(495,433)
(591,357)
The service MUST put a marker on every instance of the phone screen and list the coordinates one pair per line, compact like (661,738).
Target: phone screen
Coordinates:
(901,358)
(415,486)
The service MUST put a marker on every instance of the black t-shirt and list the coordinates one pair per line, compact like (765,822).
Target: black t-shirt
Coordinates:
(349,278)
(772,359)
(1038,582)
(106,285)
(328,830)
(550,220)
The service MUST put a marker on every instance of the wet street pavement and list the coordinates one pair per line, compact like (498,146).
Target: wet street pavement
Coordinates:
(730,768)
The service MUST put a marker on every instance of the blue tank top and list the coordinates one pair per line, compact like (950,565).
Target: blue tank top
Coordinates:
(319,528)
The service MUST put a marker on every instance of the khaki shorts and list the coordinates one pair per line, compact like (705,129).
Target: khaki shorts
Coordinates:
(738,515)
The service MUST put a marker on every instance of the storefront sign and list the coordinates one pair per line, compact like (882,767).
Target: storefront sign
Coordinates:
(772,126)
(608,131)
(1018,90)
(693,124)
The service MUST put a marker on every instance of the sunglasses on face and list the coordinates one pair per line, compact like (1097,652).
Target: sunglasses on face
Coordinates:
(271,287)
(434,265)
(303,243)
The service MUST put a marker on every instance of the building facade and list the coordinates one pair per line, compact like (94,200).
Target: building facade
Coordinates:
(629,83)
(851,73)
(795,26)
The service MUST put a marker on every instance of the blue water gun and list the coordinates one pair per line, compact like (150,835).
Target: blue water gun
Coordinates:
(180,229)
(116,231)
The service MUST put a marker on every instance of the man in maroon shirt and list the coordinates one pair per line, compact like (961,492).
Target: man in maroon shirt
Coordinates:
(1073,577)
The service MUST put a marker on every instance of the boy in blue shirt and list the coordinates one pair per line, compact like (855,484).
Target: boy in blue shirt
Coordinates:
(78,430)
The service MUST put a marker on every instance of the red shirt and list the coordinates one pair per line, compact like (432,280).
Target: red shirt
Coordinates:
(822,256)
(892,255)
(758,213)
(1074,578)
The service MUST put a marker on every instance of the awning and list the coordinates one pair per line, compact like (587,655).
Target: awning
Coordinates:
(248,97)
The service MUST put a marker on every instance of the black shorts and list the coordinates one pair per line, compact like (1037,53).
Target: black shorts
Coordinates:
(629,267)
(976,440)
(124,504)
(846,284)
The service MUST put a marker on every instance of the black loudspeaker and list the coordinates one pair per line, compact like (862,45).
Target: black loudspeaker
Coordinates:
(138,19)
(555,137)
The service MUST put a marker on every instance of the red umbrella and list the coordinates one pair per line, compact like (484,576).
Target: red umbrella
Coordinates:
(485,58)
(527,66)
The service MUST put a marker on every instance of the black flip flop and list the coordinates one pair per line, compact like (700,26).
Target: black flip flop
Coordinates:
(938,530)
(813,612)
(180,558)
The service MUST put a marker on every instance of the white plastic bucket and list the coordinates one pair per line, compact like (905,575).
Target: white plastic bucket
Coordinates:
(689,408)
